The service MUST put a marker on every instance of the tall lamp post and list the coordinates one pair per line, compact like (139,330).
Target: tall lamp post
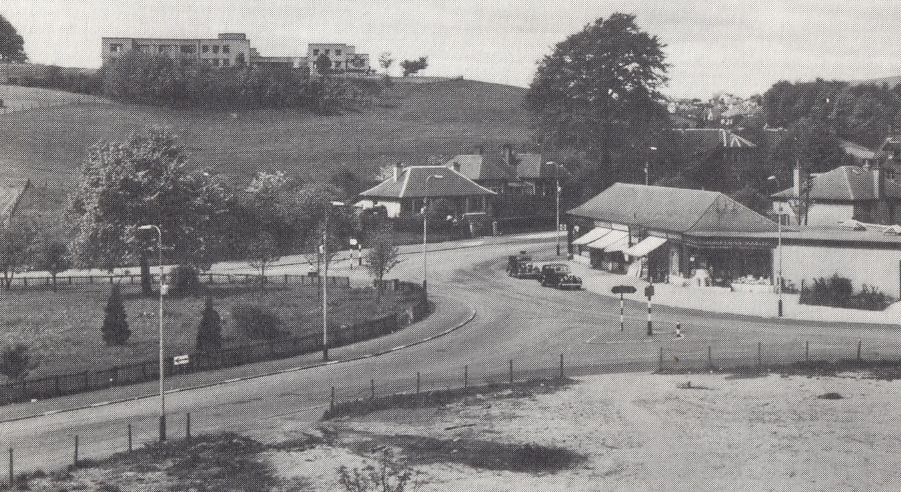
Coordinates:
(159,244)
(325,261)
(647,168)
(557,189)
(779,249)
(425,228)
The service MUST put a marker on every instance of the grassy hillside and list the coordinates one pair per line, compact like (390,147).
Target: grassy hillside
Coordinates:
(410,123)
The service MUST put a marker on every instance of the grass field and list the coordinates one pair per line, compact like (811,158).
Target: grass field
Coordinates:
(62,329)
(409,123)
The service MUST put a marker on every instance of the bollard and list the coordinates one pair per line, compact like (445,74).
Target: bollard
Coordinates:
(511,371)
(188,426)
(11,474)
(465,377)
(661,360)
(807,351)
(709,356)
(622,318)
(130,447)
(759,354)
(76,450)
(859,343)
(372,389)
(561,366)
(332,403)
(417,383)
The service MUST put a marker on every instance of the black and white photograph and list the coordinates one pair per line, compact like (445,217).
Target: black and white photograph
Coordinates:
(415,245)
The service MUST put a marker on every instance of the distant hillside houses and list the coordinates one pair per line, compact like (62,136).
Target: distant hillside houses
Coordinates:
(234,49)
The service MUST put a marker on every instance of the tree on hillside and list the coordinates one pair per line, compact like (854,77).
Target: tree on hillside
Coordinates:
(323,65)
(18,240)
(12,46)
(115,322)
(599,89)
(262,251)
(385,61)
(412,67)
(15,363)
(52,255)
(144,181)
(382,257)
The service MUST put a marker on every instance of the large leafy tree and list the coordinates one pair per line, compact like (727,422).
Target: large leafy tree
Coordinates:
(12,46)
(144,181)
(599,90)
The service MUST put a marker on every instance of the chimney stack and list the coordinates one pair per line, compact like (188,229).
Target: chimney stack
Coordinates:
(509,156)
(878,182)
(397,170)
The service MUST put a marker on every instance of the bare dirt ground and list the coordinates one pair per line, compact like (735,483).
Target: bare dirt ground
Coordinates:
(642,432)
(607,432)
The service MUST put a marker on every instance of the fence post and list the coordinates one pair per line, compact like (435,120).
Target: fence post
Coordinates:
(511,371)
(561,366)
(807,351)
(759,355)
(417,383)
(87,380)
(465,376)
(709,356)
(372,389)
(11,474)
(859,343)
(188,426)
(76,450)
(286,278)
(661,360)
(130,448)
(332,403)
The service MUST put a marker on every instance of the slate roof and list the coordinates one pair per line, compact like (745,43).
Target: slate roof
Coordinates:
(715,137)
(478,167)
(856,150)
(672,209)
(845,183)
(411,183)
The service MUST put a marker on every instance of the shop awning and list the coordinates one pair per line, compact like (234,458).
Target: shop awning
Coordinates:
(610,239)
(645,246)
(592,235)
(621,245)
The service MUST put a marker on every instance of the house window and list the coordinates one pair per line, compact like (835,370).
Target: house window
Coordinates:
(328,51)
(316,52)
(226,49)
(215,48)
(890,174)
(226,62)
(144,48)
(205,48)
(337,64)
(215,62)
(115,48)
(338,52)
(475,204)
(163,48)
(188,49)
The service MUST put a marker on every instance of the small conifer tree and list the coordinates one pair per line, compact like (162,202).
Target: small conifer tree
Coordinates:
(209,333)
(115,322)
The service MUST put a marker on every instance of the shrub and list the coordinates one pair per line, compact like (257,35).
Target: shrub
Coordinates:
(14,362)
(257,323)
(115,322)
(184,280)
(209,332)
(838,291)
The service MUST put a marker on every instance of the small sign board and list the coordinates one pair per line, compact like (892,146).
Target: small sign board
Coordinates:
(181,360)
(623,289)
(562,227)
(353,242)
(649,291)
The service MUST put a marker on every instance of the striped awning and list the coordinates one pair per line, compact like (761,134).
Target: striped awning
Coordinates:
(610,239)
(645,246)
(592,235)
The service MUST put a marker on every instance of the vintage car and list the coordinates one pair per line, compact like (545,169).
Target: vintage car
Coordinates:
(558,275)
(520,266)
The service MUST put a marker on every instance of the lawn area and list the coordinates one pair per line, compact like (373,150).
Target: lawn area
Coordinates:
(410,123)
(62,329)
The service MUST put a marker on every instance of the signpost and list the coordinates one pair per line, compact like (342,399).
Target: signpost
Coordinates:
(649,293)
(181,360)
(622,289)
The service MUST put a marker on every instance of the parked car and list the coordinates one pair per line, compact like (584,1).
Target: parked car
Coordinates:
(558,275)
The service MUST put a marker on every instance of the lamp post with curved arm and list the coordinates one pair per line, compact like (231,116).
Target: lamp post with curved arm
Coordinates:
(425,226)
(779,247)
(159,244)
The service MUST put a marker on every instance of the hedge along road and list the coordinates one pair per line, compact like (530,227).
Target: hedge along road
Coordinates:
(517,319)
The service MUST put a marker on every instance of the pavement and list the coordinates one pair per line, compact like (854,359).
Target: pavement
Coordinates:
(516,320)
(718,300)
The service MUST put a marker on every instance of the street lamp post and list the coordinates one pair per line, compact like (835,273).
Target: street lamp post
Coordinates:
(647,168)
(557,188)
(159,243)
(325,260)
(425,228)
(779,252)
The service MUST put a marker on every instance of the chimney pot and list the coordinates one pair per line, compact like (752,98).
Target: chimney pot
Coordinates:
(397,170)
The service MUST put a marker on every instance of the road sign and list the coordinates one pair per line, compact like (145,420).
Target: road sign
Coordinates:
(649,291)
(353,242)
(181,360)
(623,289)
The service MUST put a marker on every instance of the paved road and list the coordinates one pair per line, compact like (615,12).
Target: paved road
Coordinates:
(516,319)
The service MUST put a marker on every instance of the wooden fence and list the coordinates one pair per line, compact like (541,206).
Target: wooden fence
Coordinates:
(148,370)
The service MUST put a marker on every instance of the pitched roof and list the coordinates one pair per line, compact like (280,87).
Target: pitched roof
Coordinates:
(845,183)
(411,183)
(672,209)
(889,148)
(478,167)
(716,137)
(856,150)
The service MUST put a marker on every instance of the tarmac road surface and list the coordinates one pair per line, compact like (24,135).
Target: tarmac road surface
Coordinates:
(515,319)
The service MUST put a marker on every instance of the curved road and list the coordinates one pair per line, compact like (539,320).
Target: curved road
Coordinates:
(515,319)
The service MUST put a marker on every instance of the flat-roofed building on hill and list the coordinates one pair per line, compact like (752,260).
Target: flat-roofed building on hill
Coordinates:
(343,57)
(226,50)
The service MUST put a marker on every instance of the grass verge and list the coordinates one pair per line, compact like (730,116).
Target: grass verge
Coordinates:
(882,369)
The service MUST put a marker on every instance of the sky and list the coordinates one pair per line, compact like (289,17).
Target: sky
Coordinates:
(712,46)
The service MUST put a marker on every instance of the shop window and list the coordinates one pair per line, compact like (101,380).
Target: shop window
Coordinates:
(115,48)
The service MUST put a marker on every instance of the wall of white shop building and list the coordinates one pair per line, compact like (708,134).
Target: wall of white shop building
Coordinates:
(392,208)
(880,268)
(820,214)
